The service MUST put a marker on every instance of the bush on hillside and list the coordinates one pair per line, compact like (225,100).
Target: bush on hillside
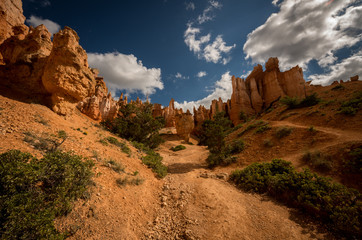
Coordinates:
(293,102)
(136,123)
(353,105)
(340,207)
(34,192)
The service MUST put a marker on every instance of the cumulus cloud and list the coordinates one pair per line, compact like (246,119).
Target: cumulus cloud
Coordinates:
(212,52)
(201,74)
(190,6)
(222,89)
(342,71)
(204,49)
(126,72)
(207,14)
(306,30)
(35,21)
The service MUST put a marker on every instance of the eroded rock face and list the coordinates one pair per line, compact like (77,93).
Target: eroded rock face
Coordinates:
(170,114)
(217,106)
(354,78)
(240,100)
(25,55)
(11,15)
(200,115)
(256,100)
(67,75)
(157,110)
(101,105)
(184,125)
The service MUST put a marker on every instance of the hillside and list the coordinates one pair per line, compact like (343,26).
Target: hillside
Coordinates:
(51,101)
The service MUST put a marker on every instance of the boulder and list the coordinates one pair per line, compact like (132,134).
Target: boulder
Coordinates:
(67,75)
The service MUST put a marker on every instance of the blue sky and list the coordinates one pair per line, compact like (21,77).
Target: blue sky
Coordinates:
(188,50)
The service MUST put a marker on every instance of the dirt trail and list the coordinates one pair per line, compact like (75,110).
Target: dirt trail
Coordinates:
(341,136)
(197,203)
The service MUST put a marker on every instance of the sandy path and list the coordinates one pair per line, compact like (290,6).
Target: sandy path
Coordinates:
(197,203)
(341,136)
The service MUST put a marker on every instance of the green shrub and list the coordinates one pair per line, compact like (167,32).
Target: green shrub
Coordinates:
(338,87)
(219,159)
(121,145)
(292,102)
(262,128)
(353,105)
(338,206)
(34,192)
(213,132)
(141,147)
(353,162)
(62,134)
(136,123)
(282,132)
(253,125)
(243,116)
(44,144)
(178,148)
(318,161)
(133,181)
(115,166)
(154,161)
(237,146)
(268,143)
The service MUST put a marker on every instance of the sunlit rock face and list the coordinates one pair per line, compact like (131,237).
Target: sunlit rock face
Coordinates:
(184,125)
(67,75)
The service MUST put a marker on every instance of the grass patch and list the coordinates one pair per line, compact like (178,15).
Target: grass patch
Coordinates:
(335,204)
(251,126)
(282,132)
(268,143)
(127,181)
(353,105)
(154,161)
(44,144)
(178,148)
(119,144)
(41,120)
(262,128)
(36,191)
(114,166)
(318,161)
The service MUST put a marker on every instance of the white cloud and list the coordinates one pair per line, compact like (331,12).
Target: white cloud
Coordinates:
(342,71)
(207,13)
(275,2)
(201,74)
(35,21)
(305,30)
(211,52)
(191,41)
(180,76)
(125,72)
(222,89)
(190,6)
